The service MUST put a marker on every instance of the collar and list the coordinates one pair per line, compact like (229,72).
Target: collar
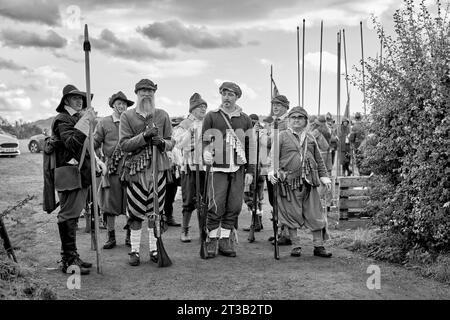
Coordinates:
(235,113)
(284,116)
(70,110)
(115,118)
(192,117)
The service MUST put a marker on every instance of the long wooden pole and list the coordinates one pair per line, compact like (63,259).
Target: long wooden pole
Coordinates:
(87,49)
(303,67)
(345,61)
(298,65)
(338,105)
(362,63)
(320,65)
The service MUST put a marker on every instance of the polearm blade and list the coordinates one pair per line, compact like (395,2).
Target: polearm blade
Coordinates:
(87,49)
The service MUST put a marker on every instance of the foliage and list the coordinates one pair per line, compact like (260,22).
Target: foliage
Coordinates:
(409,97)
(20,130)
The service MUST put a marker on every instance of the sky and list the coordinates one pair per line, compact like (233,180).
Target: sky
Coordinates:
(185,47)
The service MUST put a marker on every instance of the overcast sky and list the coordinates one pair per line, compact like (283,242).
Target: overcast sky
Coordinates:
(184,46)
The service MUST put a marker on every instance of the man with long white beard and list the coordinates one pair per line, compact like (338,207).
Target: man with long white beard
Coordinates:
(141,128)
(112,194)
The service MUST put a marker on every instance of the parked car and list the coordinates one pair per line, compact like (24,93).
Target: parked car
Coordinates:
(9,145)
(36,143)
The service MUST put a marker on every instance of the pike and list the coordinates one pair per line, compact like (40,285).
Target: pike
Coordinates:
(163,257)
(87,49)
(251,235)
(275,190)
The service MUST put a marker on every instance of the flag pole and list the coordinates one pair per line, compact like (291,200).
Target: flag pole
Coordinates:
(298,65)
(87,49)
(320,65)
(303,67)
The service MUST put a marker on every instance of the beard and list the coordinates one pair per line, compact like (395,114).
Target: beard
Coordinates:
(146,104)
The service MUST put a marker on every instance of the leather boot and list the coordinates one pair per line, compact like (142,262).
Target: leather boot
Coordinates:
(322,252)
(171,222)
(72,259)
(71,226)
(111,243)
(226,246)
(211,247)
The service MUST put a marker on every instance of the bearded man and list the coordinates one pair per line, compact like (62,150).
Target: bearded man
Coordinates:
(141,128)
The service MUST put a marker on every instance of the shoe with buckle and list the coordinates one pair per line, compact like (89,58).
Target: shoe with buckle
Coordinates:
(154,256)
(226,247)
(296,252)
(322,252)
(134,259)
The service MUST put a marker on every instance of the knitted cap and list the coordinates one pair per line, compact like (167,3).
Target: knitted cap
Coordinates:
(196,101)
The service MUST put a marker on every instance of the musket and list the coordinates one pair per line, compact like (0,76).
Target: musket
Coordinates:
(87,49)
(163,257)
(275,147)
(251,235)
(204,212)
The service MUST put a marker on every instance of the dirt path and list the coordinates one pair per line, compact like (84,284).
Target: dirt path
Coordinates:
(253,274)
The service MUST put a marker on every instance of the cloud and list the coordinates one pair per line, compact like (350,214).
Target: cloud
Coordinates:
(13,99)
(173,34)
(62,55)
(40,11)
(10,65)
(20,38)
(329,61)
(167,69)
(130,49)
(265,62)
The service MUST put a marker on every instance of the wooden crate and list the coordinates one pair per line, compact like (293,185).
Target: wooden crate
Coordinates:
(353,195)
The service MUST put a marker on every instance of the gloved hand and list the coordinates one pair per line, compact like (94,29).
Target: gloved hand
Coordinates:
(326,181)
(272,178)
(149,133)
(159,142)
(248,179)
(100,166)
(208,157)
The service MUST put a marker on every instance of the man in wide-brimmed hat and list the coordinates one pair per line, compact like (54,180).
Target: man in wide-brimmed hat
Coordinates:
(187,136)
(230,169)
(112,194)
(68,146)
(302,171)
(141,128)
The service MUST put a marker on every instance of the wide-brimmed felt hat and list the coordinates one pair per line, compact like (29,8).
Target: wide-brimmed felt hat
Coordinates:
(71,90)
(196,101)
(119,96)
(145,84)
(231,86)
(298,110)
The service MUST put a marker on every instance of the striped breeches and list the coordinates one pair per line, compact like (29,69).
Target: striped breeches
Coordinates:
(140,198)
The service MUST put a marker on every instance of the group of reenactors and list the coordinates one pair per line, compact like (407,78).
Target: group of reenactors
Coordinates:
(222,139)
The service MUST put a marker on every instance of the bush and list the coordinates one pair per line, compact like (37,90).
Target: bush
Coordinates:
(409,98)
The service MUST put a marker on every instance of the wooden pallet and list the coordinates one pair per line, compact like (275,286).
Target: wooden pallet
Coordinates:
(353,194)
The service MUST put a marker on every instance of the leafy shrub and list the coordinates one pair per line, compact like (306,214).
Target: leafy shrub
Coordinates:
(409,98)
